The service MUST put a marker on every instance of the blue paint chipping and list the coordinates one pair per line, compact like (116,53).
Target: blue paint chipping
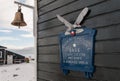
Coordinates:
(77,52)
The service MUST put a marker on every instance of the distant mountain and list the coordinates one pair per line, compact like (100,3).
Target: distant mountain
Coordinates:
(29,51)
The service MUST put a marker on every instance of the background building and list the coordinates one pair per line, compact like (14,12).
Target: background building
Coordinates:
(104,17)
(14,58)
(2,54)
(8,57)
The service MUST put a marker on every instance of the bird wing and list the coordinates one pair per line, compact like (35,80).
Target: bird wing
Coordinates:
(67,24)
(81,16)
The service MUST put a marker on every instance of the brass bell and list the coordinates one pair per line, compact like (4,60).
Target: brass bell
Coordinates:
(19,20)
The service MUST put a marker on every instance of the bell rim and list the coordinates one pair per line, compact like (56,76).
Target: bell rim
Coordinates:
(19,23)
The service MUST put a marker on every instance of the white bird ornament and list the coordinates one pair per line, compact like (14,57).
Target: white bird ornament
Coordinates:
(70,26)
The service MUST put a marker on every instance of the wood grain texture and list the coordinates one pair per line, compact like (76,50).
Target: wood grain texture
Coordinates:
(51,32)
(48,49)
(49,58)
(100,47)
(107,60)
(44,3)
(102,74)
(107,74)
(57,77)
(48,41)
(101,8)
(94,22)
(71,8)
(109,46)
(56,4)
(50,67)
(103,33)
(100,60)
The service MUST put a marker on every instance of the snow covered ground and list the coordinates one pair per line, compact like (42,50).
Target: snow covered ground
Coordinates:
(18,72)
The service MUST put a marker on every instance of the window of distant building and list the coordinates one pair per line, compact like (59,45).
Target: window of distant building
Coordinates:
(0,54)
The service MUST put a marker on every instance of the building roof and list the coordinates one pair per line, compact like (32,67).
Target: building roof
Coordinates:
(13,53)
(2,47)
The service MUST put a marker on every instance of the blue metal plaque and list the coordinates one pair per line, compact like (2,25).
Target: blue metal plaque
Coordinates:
(77,52)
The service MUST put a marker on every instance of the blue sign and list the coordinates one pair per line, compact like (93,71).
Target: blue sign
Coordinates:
(77,52)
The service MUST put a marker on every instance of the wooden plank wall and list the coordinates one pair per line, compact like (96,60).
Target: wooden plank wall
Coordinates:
(104,17)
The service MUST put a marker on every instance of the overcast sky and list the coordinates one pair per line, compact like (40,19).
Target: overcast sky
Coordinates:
(15,39)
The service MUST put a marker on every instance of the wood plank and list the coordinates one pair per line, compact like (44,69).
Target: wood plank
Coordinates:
(102,74)
(78,4)
(44,3)
(108,60)
(107,74)
(103,20)
(50,67)
(51,32)
(97,21)
(48,41)
(103,7)
(49,76)
(55,68)
(56,4)
(49,58)
(48,49)
(104,33)
(99,74)
(108,6)
(107,46)
(109,32)
(100,47)
(58,77)
(100,60)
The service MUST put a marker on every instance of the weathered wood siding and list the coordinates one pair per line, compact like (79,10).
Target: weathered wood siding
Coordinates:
(104,16)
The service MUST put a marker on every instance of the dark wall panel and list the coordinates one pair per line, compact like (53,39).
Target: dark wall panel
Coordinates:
(102,74)
(104,20)
(44,3)
(53,6)
(48,49)
(105,60)
(107,32)
(107,74)
(49,58)
(104,33)
(71,8)
(110,46)
(48,41)
(58,77)
(100,8)
(96,21)
(104,17)
(51,32)
(50,67)
(100,47)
